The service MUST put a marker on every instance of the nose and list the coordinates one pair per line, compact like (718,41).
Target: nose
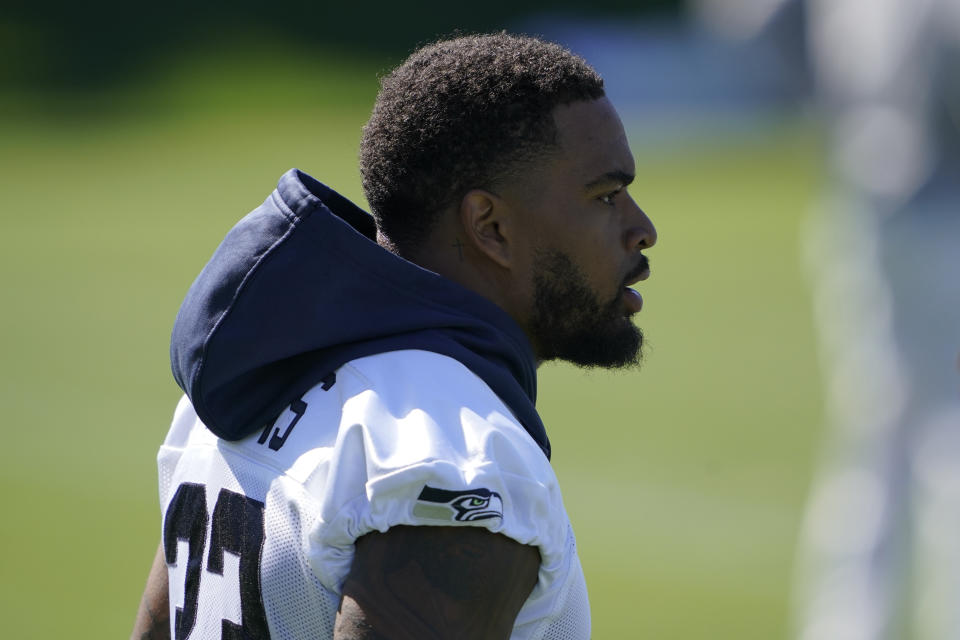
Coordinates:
(640,232)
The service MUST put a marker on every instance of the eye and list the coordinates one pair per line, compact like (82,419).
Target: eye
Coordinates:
(609,198)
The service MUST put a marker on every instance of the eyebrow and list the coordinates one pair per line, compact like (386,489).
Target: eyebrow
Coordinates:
(618,177)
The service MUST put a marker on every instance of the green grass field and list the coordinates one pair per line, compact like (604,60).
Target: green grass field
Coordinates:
(685,481)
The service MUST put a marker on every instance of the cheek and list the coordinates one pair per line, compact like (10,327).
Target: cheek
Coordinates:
(603,275)
(605,255)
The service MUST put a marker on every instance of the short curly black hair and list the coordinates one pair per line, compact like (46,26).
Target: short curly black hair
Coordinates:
(461,114)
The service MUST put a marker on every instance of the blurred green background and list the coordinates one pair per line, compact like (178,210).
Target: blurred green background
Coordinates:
(685,481)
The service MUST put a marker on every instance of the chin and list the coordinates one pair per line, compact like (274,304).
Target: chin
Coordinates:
(620,346)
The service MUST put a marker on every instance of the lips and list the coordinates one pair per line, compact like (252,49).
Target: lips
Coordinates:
(638,273)
(643,276)
(631,298)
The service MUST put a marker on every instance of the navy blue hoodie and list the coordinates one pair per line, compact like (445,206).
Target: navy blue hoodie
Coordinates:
(299,287)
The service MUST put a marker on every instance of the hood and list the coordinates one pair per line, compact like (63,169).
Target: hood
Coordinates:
(299,287)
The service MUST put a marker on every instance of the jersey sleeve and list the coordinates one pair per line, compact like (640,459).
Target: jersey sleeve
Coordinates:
(433,447)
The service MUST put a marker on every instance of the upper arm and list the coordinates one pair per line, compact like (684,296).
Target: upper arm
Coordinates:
(435,582)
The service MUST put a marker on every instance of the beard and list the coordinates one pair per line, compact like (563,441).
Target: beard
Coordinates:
(570,322)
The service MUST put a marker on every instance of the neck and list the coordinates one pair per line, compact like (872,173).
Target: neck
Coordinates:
(447,254)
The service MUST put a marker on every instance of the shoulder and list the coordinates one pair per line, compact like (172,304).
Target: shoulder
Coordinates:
(423,441)
(429,406)
(183,426)
(423,375)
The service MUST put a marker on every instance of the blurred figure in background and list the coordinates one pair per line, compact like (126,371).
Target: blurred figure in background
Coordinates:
(880,555)
(880,547)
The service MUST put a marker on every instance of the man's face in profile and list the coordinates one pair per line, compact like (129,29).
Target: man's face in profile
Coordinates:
(583,235)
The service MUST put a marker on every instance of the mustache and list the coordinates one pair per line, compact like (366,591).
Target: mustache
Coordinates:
(643,264)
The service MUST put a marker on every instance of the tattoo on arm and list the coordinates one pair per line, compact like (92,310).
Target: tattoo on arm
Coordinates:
(159,625)
(461,569)
(436,582)
(153,616)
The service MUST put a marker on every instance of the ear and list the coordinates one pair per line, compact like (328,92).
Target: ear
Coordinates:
(486,221)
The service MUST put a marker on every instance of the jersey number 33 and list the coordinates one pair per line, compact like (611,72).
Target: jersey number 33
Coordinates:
(236,527)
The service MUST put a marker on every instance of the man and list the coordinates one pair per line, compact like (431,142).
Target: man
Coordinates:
(359,431)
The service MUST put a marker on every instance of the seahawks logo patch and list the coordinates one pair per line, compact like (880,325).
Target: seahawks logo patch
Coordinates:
(462,506)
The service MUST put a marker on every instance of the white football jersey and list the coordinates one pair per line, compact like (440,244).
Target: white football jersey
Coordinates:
(259,533)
